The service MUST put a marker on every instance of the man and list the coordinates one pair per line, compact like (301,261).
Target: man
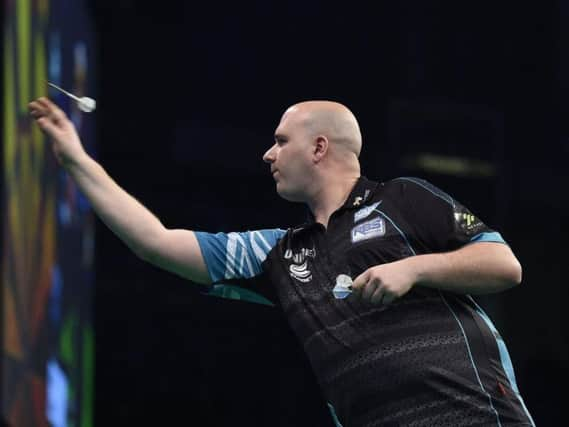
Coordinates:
(376,285)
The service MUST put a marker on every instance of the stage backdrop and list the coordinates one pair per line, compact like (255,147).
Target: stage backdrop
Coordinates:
(47,226)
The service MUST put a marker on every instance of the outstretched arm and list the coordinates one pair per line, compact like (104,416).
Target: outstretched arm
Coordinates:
(478,268)
(174,250)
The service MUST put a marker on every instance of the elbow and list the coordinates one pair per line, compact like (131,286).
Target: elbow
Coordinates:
(148,250)
(143,252)
(514,273)
(146,255)
(509,267)
(519,272)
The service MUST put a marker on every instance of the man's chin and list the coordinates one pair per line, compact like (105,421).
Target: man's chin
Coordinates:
(290,196)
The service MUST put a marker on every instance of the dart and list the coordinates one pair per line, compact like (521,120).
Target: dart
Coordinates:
(84,103)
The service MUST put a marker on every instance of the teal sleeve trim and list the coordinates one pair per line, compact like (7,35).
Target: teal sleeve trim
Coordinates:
(334,416)
(237,293)
(504,357)
(488,237)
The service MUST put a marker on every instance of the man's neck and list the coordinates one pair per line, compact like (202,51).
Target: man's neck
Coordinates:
(330,198)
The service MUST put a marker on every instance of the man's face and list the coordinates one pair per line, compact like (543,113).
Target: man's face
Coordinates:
(290,157)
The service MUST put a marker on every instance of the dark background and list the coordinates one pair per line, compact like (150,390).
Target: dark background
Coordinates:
(189,97)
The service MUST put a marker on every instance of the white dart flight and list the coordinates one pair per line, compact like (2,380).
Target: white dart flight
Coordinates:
(84,103)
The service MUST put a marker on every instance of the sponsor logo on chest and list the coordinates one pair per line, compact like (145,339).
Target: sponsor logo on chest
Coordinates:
(368,230)
(298,269)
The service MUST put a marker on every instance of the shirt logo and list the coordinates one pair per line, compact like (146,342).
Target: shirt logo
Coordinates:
(364,212)
(299,267)
(368,230)
(299,257)
(300,272)
(467,222)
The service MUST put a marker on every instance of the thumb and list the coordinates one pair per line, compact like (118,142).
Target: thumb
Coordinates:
(361,280)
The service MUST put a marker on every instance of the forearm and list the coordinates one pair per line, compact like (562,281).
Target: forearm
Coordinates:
(478,268)
(123,214)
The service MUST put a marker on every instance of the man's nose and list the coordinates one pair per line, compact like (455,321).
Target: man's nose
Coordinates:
(269,156)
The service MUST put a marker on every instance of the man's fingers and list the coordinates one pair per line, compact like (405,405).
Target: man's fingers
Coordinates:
(378,296)
(46,125)
(358,284)
(45,103)
(51,110)
(369,289)
(36,109)
(48,116)
(365,285)
(360,281)
(382,296)
(51,106)
(37,113)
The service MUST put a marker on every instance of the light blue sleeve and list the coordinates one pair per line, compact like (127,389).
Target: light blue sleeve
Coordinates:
(236,255)
(492,236)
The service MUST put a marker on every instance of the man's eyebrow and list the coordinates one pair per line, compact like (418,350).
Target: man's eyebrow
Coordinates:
(279,136)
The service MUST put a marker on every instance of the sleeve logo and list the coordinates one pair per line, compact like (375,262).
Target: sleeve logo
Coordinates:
(467,222)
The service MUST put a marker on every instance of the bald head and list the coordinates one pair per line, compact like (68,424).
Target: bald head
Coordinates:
(316,149)
(332,120)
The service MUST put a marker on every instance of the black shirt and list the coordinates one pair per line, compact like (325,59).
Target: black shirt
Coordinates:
(429,358)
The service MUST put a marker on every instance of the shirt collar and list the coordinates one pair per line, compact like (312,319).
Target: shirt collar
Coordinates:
(361,193)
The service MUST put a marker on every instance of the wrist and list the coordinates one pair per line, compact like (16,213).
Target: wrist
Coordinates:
(76,163)
(424,267)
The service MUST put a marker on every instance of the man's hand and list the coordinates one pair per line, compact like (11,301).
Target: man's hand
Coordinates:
(478,268)
(384,283)
(54,123)
(177,251)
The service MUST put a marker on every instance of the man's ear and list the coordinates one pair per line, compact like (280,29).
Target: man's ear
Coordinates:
(321,145)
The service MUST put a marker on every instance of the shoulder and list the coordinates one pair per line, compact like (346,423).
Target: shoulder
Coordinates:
(413,187)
